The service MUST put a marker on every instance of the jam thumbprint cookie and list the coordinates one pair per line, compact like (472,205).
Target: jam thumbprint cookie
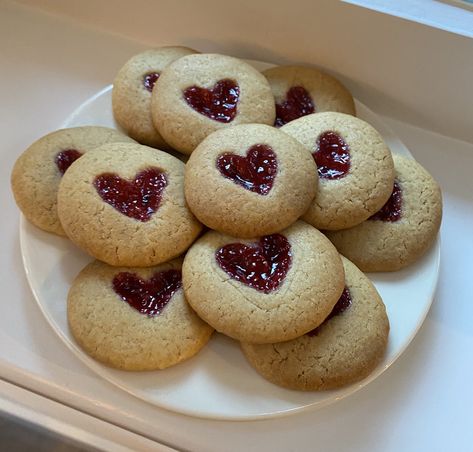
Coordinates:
(134,318)
(356,170)
(267,289)
(250,180)
(344,349)
(199,94)
(124,204)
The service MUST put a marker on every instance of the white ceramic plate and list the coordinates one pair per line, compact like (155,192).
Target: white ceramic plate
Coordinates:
(218,383)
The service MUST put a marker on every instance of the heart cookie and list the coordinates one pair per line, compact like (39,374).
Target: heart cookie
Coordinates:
(124,204)
(250,180)
(345,348)
(354,164)
(133,318)
(199,94)
(256,290)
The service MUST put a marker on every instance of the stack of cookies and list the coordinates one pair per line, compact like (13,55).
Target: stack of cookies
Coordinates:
(285,177)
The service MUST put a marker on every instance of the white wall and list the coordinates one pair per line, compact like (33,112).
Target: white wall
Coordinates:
(399,68)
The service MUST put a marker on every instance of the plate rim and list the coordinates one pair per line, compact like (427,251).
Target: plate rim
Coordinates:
(101,369)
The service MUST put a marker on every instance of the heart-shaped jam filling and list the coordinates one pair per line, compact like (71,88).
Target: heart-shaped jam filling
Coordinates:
(298,103)
(150,296)
(139,198)
(218,103)
(149,80)
(255,172)
(262,265)
(343,303)
(332,156)
(391,211)
(66,158)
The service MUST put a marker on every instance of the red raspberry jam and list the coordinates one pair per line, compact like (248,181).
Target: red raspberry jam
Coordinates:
(255,172)
(392,210)
(332,156)
(343,303)
(66,158)
(218,103)
(262,265)
(298,103)
(149,80)
(150,296)
(138,198)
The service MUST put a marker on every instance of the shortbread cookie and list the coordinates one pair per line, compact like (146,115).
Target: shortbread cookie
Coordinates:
(268,289)
(356,170)
(132,88)
(201,93)
(403,230)
(134,318)
(37,172)
(250,180)
(346,348)
(302,90)
(124,204)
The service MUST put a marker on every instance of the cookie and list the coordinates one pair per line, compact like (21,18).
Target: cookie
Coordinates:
(37,172)
(268,289)
(346,348)
(356,170)
(132,88)
(199,94)
(134,318)
(302,90)
(124,204)
(403,230)
(250,180)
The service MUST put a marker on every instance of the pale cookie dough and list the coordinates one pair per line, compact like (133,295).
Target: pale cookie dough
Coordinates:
(346,348)
(37,172)
(344,199)
(133,318)
(376,245)
(147,184)
(250,180)
(228,91)
(132,88)
(250,297)
(302,90)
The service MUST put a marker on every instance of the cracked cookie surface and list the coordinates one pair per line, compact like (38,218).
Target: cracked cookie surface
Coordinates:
(38,171)
(100,228)
(250,180)
(345,197)
(301,300)
(344,349)
(113,332)
(132,88)
(376,245)
(219,82)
